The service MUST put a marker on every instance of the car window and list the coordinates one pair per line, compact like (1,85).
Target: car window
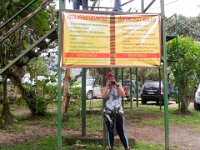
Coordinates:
(139,84)
(151,84)
(126,83)
(89,82)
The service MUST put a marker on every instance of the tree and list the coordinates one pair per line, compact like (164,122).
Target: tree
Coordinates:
(20,40)
(66,95)
(189,60)
(187,26)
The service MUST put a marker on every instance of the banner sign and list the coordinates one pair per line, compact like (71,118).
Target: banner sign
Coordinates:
(107,40)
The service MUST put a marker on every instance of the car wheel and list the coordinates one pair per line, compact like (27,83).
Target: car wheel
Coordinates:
(157,102)
(89,95)
(196,106)
(143,101)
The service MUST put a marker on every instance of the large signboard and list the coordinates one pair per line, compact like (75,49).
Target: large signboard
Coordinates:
(107,40)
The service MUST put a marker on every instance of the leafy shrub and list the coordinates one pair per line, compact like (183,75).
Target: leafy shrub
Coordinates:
(74,109)
(75,92)
(41,106)
(39,96)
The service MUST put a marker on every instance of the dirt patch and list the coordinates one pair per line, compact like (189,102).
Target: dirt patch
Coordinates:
(141,116)
(32,133)
(180,137)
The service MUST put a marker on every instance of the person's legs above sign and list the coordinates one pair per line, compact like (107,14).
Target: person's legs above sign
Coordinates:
(77,3)
(117,5)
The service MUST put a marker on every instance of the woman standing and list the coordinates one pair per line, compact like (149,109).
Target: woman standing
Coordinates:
(113,112)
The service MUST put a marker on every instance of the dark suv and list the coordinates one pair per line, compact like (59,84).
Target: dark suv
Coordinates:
(126,86)
(152,92)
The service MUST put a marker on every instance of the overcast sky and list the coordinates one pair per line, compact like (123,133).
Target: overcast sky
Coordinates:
(185,7)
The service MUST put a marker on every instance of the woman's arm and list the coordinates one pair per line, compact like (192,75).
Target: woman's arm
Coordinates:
(120,89)
(105,92)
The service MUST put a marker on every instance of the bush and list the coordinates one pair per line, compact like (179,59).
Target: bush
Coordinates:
(39,96)
(75,92)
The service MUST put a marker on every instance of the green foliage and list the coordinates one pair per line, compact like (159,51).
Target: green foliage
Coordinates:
(48,120)
(25,36)
(191,118)
(41,106)
(140,145)
(50,92)
(1,93)
(74,110)
(187,26)
(1,88)
(37,67)
(189,52)
(20,40)
(75,92)
(21,102)
(40,92)
(49,143)
(39,96)
(94,103)
(14,129)
(94,123)
(189,55)
(6,120)
(151,74)
(30,98)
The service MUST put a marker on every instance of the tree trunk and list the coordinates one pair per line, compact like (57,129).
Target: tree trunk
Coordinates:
(28,95)
(6,118)
(16,93)
(184,101)
(66,95)
(142,75)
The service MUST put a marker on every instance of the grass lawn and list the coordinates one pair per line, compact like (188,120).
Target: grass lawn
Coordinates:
(48,143)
